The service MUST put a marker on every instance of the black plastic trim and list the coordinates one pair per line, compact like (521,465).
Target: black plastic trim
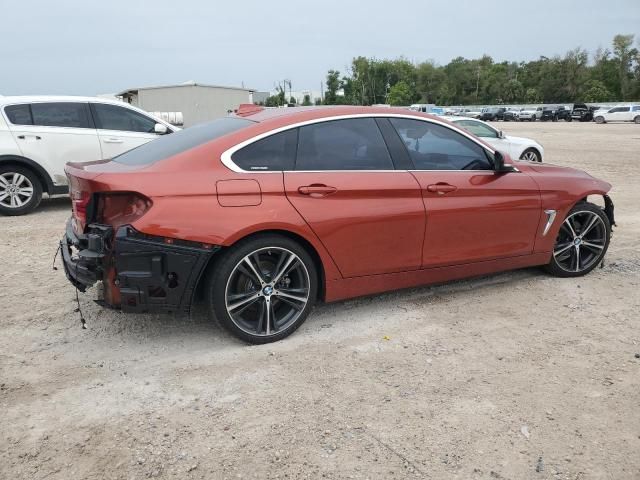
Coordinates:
(156,276)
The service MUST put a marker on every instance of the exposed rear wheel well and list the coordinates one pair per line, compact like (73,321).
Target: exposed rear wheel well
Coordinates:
(285,233)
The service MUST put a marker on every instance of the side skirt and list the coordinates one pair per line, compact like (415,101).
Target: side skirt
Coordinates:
(359,286)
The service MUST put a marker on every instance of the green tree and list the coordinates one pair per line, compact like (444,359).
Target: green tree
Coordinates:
(532,96)
(624,56)
(292,101)
(596,91)
(400,94)
(306,100)
(333,85)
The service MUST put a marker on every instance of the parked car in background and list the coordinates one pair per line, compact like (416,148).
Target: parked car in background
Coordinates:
(548,113)
(39,135)
(471,113)
(517,147)
(562,113)
(270,212)
(493,114)
(511,115)
(527,114)
(628,113)
(581,112)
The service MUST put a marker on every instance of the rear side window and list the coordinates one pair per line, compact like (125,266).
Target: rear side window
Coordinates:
(276,152)
(168,145)
(19,114)
(354,144)
(61,114)
(435,147)
(113,117)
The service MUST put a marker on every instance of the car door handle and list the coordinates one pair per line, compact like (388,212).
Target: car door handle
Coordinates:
(317,190)
(22,137)
(113,140)
(441,188)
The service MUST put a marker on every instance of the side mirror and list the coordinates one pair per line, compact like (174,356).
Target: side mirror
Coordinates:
(499,165)
(500,134)
(160,129)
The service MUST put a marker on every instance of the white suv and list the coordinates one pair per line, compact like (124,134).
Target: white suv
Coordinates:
(39,135)
(628,113)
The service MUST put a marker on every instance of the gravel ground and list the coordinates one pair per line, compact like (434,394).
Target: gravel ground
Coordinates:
(512,376)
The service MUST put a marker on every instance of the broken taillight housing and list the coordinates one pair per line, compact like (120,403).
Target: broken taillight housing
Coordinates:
(79,205)
(120,208)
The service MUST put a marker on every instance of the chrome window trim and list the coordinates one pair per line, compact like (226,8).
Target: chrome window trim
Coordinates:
(226,155)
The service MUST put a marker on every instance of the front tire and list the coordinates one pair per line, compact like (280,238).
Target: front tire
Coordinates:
(582,241)
(531,155)
(20,190)
(599,119)
(263,288)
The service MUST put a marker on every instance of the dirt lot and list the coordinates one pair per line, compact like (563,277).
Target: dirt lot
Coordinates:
(490,378)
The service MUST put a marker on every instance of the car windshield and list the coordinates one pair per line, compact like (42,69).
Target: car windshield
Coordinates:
(174,143)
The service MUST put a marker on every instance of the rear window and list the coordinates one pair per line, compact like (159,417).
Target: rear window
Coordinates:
(19,114)
(174,143)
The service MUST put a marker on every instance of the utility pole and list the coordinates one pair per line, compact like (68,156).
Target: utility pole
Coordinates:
(478,84)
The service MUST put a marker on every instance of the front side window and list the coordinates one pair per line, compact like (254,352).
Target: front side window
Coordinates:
(353,144)
(478,129)
(60,114)
(113,117)
(276,152)
(19,114)
(435,147)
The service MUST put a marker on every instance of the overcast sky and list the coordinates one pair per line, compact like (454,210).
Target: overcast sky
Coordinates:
(88,47)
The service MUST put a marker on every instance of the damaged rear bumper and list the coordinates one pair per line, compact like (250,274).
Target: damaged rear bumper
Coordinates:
(140,273)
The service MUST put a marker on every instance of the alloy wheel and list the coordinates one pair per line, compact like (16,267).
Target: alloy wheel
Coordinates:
(267,291)
(530,156)
(16,190)
(581,241)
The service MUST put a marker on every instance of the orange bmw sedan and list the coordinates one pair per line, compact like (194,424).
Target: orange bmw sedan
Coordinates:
(269,211)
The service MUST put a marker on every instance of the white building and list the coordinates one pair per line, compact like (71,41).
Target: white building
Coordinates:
(197,102)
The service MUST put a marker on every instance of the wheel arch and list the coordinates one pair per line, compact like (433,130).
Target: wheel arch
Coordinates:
(296,237)
(43,176)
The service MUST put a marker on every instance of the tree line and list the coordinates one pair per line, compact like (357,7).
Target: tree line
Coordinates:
(609,74)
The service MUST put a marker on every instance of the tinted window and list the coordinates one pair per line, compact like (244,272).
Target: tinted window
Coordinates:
(113,117)
(635,109)
(354,144)
(276,152)
(19,114)
(169,145)
(477,128)
(71,115)
(434,147)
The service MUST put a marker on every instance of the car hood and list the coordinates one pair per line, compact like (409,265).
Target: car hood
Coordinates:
(519,140)
(571,174)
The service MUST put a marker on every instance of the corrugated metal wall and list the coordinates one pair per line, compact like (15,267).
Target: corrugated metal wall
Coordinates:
(197,103)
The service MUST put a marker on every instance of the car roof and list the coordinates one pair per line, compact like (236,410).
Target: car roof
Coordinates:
(56,98)
(325,111)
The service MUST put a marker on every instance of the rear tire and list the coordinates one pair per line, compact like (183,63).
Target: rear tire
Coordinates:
(20,190)
(637,119)
(582,241)
(263,288)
